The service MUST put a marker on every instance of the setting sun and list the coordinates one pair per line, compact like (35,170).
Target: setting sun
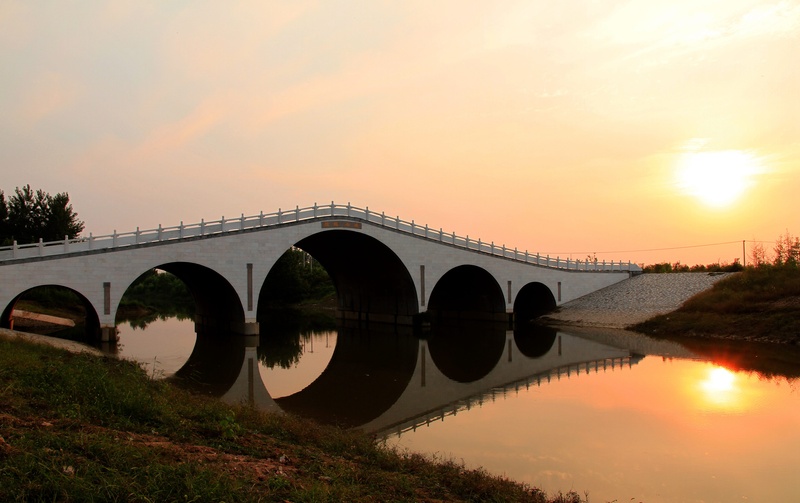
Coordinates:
(718,178)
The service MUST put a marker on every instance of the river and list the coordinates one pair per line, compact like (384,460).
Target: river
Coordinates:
(620,416)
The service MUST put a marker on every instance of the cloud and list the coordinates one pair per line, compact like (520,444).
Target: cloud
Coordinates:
(49,94)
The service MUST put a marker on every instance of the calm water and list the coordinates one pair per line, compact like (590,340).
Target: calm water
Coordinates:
(622,418)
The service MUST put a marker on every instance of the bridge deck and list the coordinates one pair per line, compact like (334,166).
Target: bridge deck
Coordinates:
(166,235)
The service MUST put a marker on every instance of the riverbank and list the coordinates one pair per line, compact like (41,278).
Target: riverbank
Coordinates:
(78,427)
(755,305)
(633,301)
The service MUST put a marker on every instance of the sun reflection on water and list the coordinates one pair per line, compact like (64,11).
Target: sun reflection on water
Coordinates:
(720,390)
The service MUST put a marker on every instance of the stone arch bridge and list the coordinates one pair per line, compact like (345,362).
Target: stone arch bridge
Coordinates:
(384,269)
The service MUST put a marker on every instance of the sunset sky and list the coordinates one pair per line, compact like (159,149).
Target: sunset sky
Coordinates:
(567,128)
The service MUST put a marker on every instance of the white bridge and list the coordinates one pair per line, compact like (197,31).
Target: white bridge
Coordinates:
(384,269)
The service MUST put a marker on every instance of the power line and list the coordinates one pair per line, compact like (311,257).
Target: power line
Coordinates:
(656,249)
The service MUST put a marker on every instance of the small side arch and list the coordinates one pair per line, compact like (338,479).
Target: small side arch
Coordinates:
(91,318)
(533,300)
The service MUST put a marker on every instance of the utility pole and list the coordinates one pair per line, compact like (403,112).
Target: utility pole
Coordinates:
(744,256)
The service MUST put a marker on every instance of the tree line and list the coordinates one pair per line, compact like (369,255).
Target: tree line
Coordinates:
(28,215)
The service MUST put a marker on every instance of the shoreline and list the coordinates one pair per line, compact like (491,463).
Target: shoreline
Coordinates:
(632,301)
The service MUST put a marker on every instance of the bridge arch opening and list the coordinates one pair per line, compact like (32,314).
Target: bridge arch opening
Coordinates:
(533,300)
(467,292)
(217,308)
(53,310)
(371,282)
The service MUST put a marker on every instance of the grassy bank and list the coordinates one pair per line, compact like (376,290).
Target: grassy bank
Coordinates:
(76,427)
(758,304)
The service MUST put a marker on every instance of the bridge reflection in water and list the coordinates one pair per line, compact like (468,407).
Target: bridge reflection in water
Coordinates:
(386,380)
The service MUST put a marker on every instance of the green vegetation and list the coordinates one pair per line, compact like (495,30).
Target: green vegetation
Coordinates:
(86,428)
(665,267)
(296,278)
(155,295)
(29,215)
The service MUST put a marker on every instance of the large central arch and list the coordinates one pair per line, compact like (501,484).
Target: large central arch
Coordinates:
(372,283)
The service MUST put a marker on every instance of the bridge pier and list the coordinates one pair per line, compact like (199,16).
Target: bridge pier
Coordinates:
(207,324)
(108,333)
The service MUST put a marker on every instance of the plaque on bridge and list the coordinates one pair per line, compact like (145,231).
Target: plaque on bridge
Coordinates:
(341,224)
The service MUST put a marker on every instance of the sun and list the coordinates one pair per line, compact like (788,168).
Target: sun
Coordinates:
(718,178)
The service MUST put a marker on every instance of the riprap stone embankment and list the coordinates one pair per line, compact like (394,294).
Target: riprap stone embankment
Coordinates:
(633,300)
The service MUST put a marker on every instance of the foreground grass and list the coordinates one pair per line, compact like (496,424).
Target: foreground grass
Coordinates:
(758,304)
(75,427)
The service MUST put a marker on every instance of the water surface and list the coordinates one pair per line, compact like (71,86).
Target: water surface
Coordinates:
(624,418)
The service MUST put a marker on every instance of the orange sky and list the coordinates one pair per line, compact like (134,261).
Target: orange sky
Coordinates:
(565,128)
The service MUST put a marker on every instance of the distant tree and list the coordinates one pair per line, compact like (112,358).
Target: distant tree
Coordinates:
(3,220)
(787,250)
(61,220)
(30,215)
(758,255)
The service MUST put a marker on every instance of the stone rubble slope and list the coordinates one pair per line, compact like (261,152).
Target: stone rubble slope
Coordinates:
(634,300)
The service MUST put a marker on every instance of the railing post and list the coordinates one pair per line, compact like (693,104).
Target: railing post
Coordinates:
(332,208)
(366,213)
(137,235)
(261,218)
(114,239)
(66,243)
(180,230)
(202,227)
(14,249)
(383,219)
(466,241)
(454,237)
(159,232)
(492,248)
(91,241)
(426,231)
(279,215)
(348,208)
(440,234)
(222,224)
(297,213)
(315,209)
(412,227)
(241,227)
(41,247)
(479,245)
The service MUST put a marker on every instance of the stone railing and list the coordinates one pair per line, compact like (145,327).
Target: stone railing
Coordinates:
(298,214)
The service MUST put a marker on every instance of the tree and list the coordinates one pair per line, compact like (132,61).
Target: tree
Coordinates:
(28,215)
(3,219)
(787,250)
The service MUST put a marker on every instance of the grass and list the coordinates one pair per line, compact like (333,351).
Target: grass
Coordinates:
(76,427)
